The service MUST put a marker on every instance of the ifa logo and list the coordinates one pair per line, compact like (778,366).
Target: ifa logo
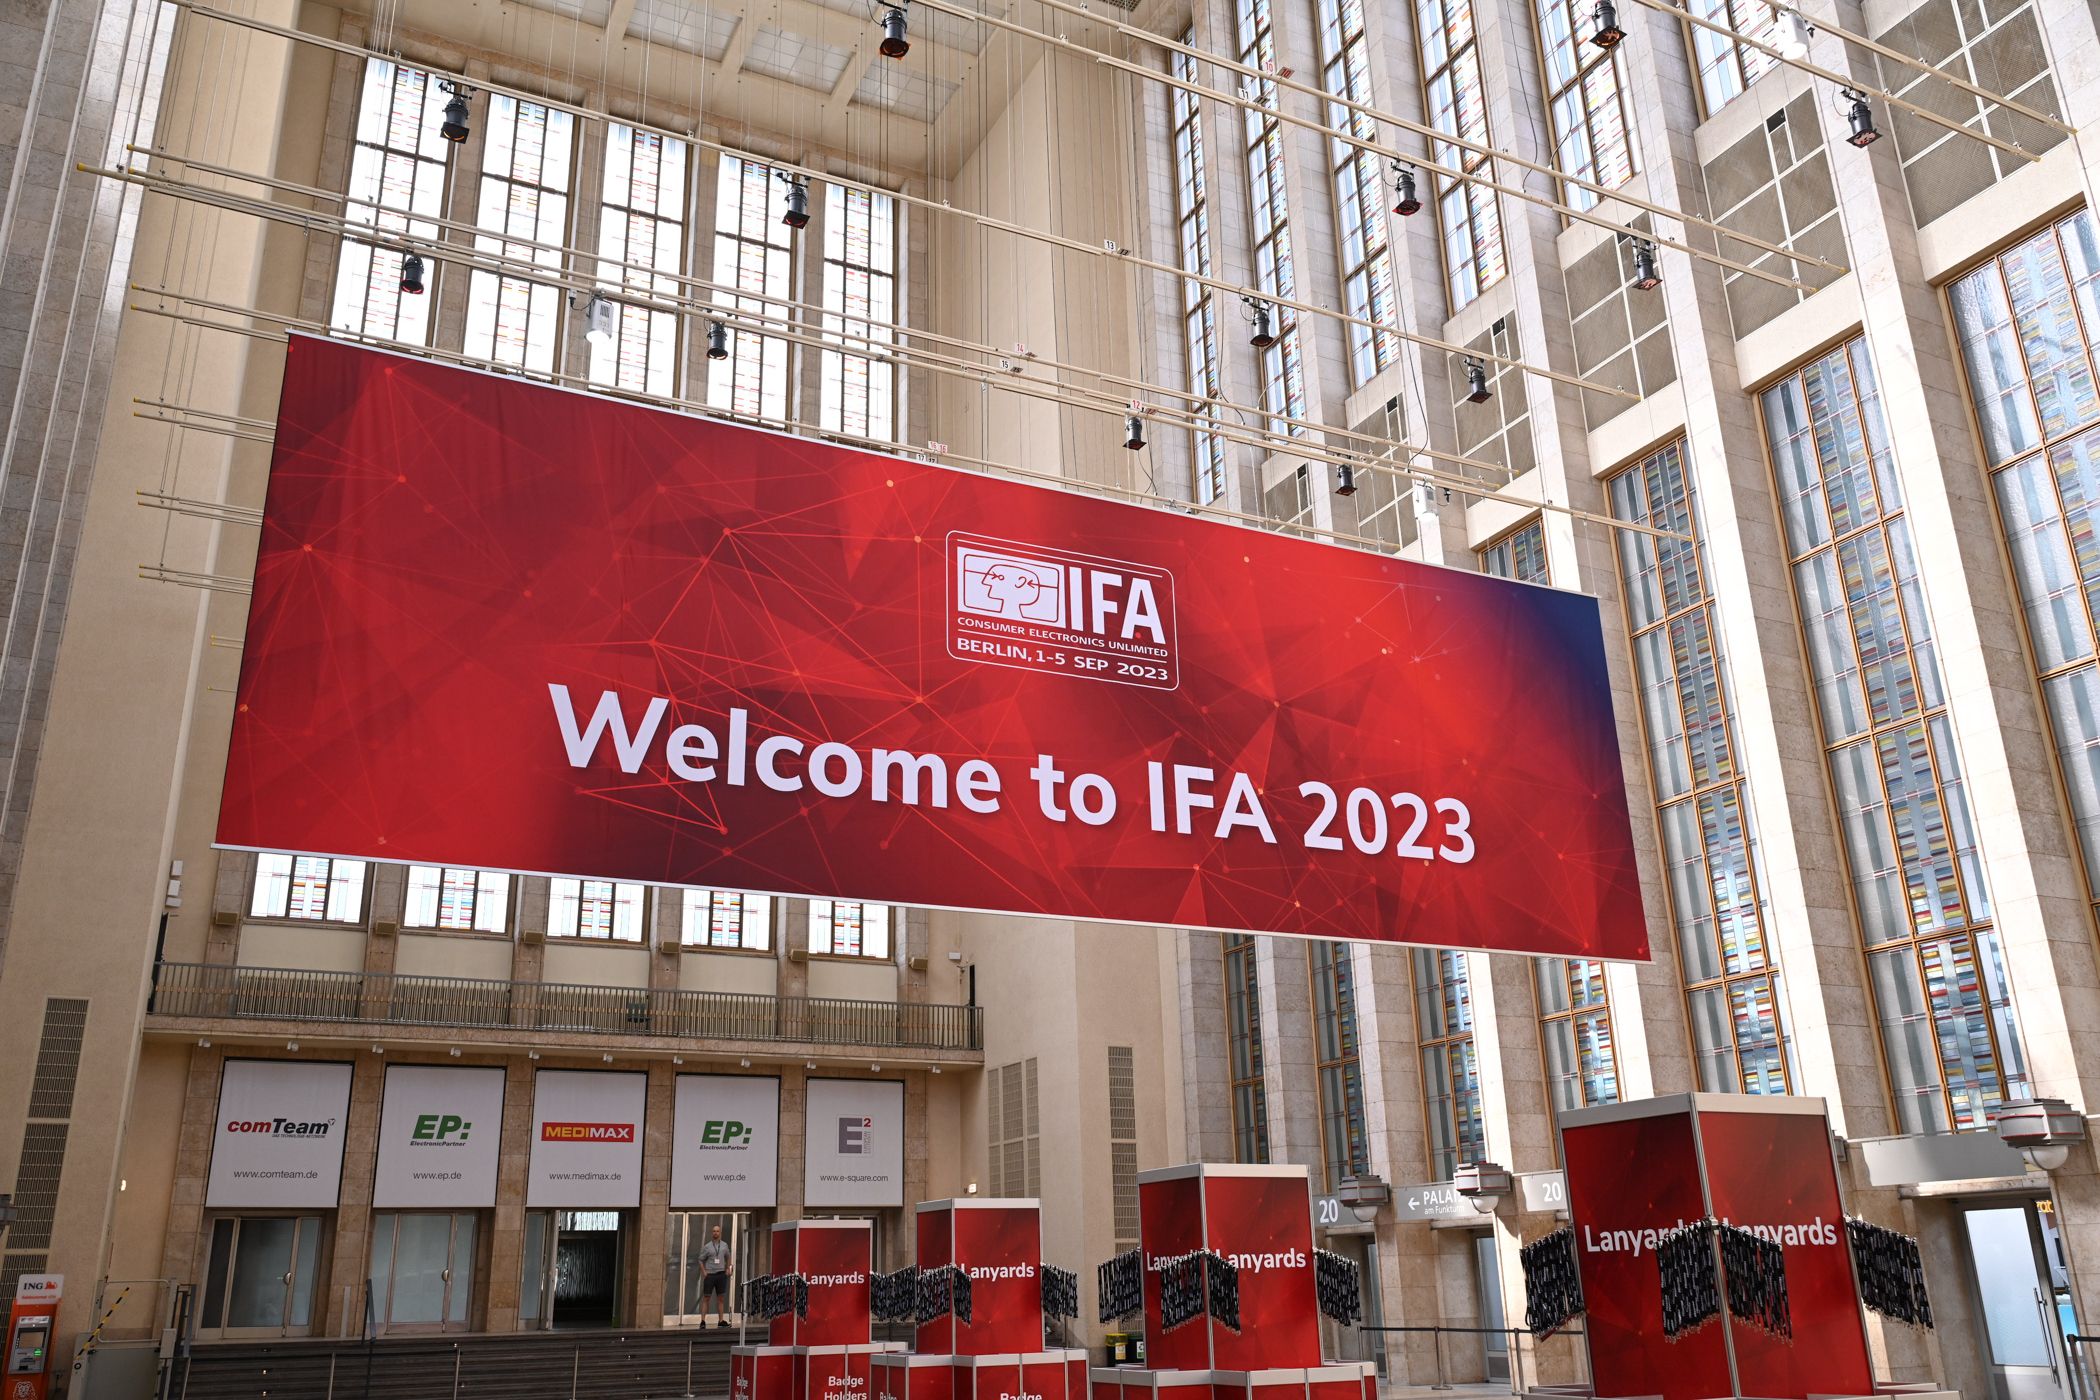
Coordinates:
(1037,608)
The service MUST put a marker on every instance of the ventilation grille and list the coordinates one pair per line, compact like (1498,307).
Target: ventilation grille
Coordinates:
(1499,430)
(44,1140)
(1998,47)
(1122,1142)
(1622,336)
(1014,1127)
(1775,184)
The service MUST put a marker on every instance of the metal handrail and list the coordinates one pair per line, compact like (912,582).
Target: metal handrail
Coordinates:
(229,991)
(1515,1353)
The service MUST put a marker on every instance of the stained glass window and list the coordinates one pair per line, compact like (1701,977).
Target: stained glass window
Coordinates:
(524,212)
(397,171)
(641,236)
(1469,214)
(860,306)
(754,272)
(442,897)
(1199,306)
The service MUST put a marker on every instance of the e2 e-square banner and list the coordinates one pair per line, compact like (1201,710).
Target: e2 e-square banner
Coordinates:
(501,625)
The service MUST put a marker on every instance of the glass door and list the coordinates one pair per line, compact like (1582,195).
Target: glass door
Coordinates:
(1488,1273)
(422,1276)
(686,1300)
(2015,1299)
(259,1276)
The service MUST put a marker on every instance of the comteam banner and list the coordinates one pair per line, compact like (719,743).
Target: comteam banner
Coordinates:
(725,1141)
(587,1138)
(278,1141)
(504,625)
(440,1137)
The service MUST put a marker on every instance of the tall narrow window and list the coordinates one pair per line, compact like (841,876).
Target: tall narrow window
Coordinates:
(1582,1061)
(754,258)
(1344,1134)
(1014,1130)
(397,171)
(1450,1073)
(641,223)
(310,888)
(1250,1098)
(1587,95)
(1933,956)
(1709,842)
(859,396)
(1367,262)
(462,900)
(726,919)
(1199,305)
(1520,554)
(1275,266)
(525,158)
(2027,328)
(1727,66)
(598,909)
(1468,214)
(844,930)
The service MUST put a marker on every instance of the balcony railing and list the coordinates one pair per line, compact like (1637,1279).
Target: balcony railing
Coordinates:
(220,991)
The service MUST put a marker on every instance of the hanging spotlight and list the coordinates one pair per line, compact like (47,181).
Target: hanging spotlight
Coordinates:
(1645,276)
(1790,35)
(1345,480)
(895,41)
(1861,118)
(412,275)
(1264,333)
(456,125)
(1477,390)
(1134,433)
(717,340)
(796,215)
(1406,203)
(599,317)
(1604,26)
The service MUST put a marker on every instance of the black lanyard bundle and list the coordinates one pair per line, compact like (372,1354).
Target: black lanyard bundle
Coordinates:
(941,1291)
(1060,1292)
(1196,1283)
(1552,1289)
(1122,1284)
(894,1297)
(1891,1275)
(1755,1268)
(1224,1291)
(1691,1291)
(1181,1289)
(801,1287)
(1338,1284)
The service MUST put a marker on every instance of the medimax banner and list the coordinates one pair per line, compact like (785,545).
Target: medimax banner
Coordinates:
(725,1141)
(278,1142)
(587,1138)
(440,1136)
(853,1143)
(520,628)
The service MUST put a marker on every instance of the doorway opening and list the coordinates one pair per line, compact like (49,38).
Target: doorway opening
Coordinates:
(573,1266)
(2022,1295)
(1487,1278)
(685,1302)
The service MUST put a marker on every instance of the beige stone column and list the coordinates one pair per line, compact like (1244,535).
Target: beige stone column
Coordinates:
(507,1232)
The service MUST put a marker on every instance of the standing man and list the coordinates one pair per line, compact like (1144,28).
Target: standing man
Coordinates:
(714,1276)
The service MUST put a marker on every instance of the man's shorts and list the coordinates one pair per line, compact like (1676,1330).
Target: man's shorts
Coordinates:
(715,1283)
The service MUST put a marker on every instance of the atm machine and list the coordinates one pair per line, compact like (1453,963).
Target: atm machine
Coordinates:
(29,1324)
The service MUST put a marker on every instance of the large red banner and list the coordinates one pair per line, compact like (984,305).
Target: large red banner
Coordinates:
(502,625)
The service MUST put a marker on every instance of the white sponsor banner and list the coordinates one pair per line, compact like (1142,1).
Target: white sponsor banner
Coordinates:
(725,1141)
(278,1141)
(586,1138)
(853,1136)
(440,1134)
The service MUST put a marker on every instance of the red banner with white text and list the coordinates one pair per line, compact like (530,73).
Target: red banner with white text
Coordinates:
(508,626)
